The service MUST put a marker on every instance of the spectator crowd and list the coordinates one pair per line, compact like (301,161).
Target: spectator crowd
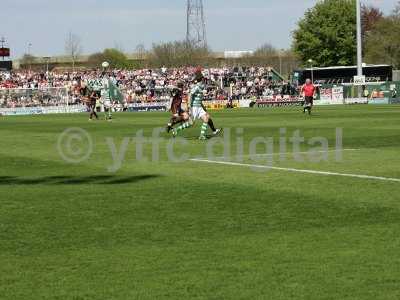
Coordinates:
(140,86)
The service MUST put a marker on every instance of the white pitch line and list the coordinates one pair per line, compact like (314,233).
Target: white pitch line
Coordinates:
(297,170)
(287,153)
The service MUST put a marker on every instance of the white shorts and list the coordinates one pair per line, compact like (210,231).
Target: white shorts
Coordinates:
(107,104)
(198,113)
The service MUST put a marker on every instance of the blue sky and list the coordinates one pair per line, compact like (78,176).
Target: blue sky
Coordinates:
(231,24)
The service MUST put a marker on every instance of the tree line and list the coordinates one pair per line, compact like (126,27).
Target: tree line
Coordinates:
(327,35)
(175,54)
(182,54)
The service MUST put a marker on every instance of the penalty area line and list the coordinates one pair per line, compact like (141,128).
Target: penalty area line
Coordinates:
(293,170)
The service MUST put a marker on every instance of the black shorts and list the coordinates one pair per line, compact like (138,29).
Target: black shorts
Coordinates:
(177,110)
(309,100)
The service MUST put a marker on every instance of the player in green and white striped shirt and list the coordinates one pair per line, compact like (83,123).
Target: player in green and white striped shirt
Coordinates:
(197,110)
(106,98)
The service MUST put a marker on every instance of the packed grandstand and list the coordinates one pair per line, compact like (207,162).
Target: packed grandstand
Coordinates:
(25,88)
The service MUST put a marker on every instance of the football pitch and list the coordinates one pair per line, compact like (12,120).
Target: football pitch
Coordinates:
(122,221)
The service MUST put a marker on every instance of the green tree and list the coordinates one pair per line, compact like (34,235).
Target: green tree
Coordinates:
(96,59)
(383,44)
(116,58)
(327,34)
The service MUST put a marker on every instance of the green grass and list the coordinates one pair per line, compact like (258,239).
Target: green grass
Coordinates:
(163,230)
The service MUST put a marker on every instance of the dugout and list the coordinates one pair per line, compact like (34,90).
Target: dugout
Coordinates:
(341,74)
